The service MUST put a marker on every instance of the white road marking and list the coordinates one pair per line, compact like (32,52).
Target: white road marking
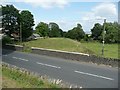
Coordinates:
(94,75)
(48,65)
(20,58)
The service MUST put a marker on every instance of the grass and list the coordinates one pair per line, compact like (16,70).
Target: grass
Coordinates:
(110,50)
(16,79)
(6,83)
(65,44)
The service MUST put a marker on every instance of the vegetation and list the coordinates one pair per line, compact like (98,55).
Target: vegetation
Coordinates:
(10,20)
(13,22)
(48,30)
(55,31)
(22,80)
(110,50)
(6,83)
(66,44)
(112,32)
(76,33)
(6,39)
(96,31)
(42,29)
(27,22)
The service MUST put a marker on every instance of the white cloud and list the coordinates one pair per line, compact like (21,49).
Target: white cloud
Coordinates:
(105,9)
(4,2)
(47,3)
(41,3)
(98,13)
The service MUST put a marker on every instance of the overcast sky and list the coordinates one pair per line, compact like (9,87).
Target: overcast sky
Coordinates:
(67,13)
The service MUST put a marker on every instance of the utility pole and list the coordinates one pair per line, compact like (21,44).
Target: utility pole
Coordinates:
(103,38)
(20,33)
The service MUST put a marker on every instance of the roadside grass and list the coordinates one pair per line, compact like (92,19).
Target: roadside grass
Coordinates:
(9,83)
(110,50)
(65,44)
(16,79)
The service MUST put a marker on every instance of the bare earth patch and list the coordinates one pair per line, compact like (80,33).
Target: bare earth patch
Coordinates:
(8,83)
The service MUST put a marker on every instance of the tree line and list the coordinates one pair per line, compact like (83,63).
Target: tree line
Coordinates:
(112,32)
(14,21)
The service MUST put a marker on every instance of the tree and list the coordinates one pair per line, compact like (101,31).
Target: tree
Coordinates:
(64,34)
(76,33)
(10,19)
(27,23)
(42,29)
(96,31)
(112,32)
(55,31)
(111,35)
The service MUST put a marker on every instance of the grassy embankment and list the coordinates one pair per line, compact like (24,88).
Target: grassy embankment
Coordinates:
(65,44)
(16,79)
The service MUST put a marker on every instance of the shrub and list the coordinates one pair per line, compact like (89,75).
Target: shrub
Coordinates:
(6,39)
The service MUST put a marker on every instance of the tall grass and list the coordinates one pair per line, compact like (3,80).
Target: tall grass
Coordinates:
(25,80)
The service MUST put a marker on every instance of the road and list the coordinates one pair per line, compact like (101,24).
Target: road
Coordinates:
(83,74)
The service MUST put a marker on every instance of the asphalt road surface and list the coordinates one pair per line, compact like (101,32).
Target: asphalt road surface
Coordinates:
(82,74)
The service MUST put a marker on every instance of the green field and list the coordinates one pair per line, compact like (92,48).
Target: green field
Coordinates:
(110,50)
(65,44)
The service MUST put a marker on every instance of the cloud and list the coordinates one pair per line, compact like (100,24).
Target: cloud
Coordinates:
(102,11)
(41,3)
(4,2)
(105,9)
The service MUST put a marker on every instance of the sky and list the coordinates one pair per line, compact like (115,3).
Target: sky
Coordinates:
(67,13)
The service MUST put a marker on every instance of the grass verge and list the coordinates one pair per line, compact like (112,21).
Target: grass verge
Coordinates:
(15,79)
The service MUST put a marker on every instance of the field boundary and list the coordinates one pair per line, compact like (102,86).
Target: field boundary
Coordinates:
(60,51)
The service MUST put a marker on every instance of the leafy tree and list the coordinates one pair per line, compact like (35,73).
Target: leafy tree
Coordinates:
(96,31)
(55,31)
(76,33)
(112,32)
(111,35)
(10,19)
(27,23)
(42,29)
(86,37)
(64,34)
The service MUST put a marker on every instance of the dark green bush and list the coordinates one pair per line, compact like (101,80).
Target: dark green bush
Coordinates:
(6,39)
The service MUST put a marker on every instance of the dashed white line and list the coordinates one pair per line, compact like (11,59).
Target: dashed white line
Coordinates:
(20,58)
(94,75)
(48,65)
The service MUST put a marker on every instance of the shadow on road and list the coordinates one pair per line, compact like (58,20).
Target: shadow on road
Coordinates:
(7,49)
